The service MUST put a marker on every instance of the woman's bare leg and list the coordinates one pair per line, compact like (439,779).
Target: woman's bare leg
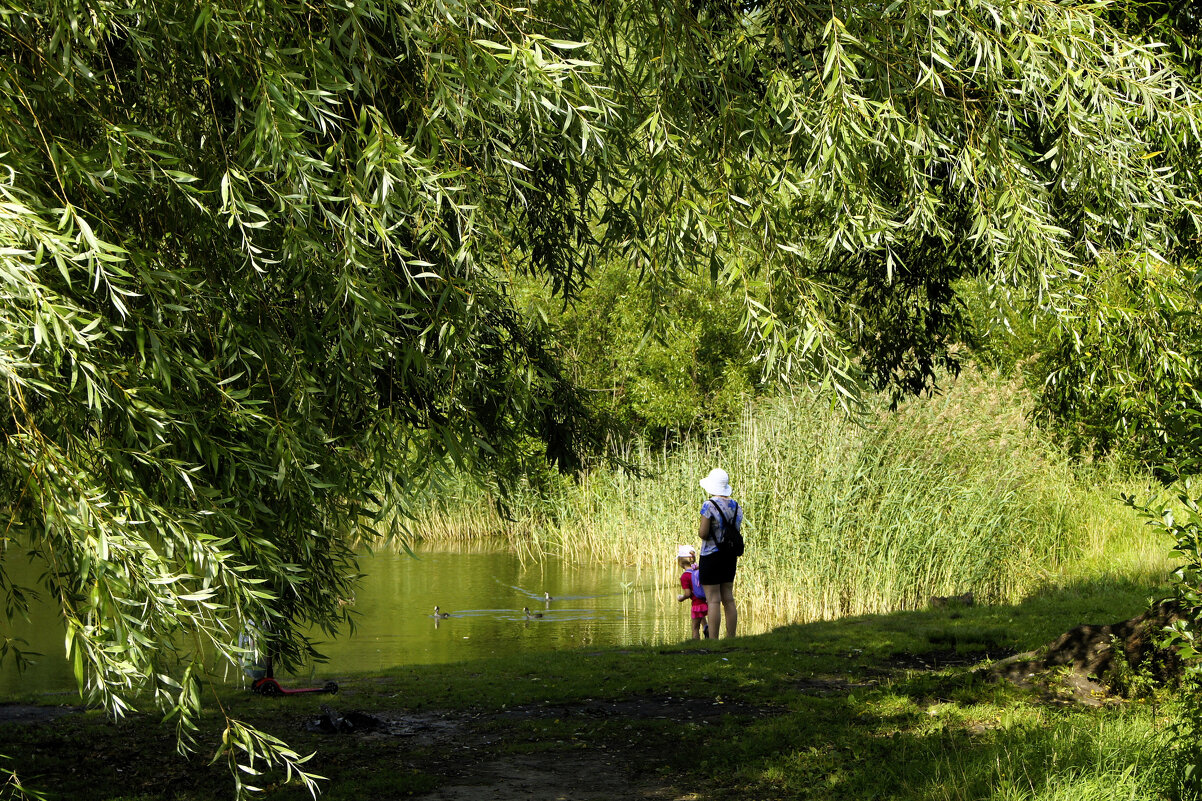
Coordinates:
(714,615)
(728,603)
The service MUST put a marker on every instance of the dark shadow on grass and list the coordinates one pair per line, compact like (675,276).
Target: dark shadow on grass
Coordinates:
(954,636)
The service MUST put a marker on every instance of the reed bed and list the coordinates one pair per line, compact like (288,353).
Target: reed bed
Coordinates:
(948,495)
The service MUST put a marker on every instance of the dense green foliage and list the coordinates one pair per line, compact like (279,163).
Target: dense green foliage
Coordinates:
(1122,367)
(659,363)
(1113,364)
(1175,23)
(1116,353)
(255,260)
(860,162)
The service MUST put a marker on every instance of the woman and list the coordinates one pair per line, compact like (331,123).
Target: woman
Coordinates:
(718,514)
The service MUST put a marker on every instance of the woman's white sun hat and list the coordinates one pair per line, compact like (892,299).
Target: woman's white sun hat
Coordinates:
(716,483)
(684,551)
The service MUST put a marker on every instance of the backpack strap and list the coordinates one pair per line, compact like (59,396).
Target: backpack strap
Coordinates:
(719,510)
(726,524)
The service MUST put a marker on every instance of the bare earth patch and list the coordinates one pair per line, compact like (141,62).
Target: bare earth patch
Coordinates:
(572,776)
(474,770)
(661,707)
(32,713)
(826,686)
(593,774)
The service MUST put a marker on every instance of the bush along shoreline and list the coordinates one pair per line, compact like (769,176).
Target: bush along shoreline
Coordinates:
(952,494)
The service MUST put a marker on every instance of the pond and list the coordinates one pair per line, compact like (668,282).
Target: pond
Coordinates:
(483,587)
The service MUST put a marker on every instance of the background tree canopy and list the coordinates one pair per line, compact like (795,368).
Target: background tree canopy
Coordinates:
(257,259)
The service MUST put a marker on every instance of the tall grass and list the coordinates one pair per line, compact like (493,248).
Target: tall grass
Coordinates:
(948,495)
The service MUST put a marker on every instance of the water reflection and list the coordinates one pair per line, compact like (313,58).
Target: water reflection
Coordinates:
(484,594)
(481,588)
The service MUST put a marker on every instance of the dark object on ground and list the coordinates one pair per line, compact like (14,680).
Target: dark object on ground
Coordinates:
(1086,655)
(944,601)
(269,686)
(334,722)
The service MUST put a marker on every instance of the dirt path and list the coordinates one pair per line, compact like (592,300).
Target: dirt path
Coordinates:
(31,713)
(581,776)
(472,759)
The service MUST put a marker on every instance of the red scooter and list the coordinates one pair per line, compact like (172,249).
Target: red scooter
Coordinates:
(267,685)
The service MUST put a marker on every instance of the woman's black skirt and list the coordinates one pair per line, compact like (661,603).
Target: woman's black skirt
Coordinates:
(717,568)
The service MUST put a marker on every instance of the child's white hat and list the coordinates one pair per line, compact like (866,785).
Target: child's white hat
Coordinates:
(684,551)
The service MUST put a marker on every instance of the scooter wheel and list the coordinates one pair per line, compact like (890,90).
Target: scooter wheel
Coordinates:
(331,687)
(268,687)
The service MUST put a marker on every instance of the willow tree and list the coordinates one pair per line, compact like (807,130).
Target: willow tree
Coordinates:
(843,165)
(252,261)
(255,258)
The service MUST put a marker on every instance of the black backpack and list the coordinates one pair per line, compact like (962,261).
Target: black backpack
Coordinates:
(731,543)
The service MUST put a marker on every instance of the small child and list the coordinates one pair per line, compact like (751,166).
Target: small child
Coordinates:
(686,558)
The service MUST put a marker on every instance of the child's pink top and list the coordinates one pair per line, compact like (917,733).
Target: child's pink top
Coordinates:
(686,583)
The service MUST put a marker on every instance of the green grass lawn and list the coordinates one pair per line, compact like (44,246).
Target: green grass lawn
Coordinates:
(881,706)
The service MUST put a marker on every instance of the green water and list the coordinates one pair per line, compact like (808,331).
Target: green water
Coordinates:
(483,588)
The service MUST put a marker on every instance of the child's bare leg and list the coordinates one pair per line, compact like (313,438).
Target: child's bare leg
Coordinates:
(696,628)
